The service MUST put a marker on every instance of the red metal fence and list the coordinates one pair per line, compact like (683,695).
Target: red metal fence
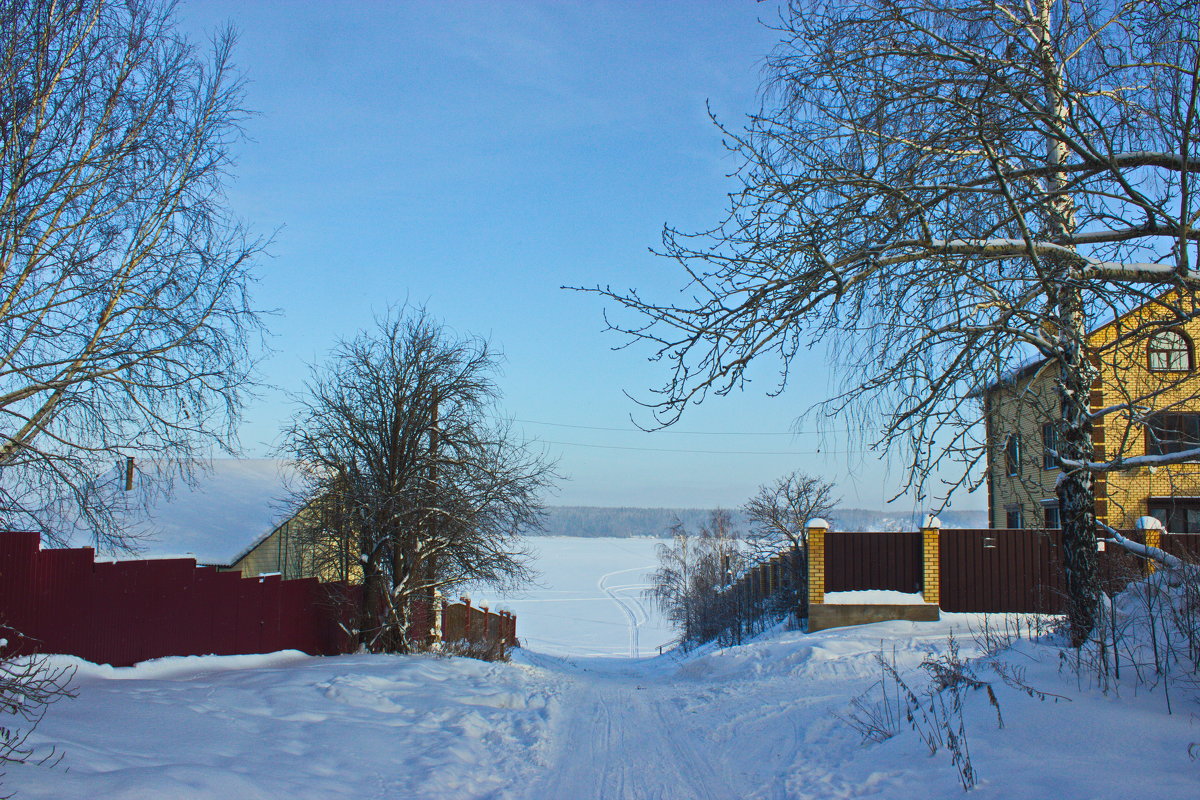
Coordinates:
(1001,570)
(1021,570)
(492,633)
(119,613)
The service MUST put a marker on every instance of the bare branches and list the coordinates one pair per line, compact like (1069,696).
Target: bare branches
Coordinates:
(125,324)
(937,194)
(868,198)
(28,686)
(414,484)
(693,570)
(780,512)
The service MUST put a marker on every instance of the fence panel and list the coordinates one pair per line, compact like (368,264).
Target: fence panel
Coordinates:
(1183,545)
(63,601)
(857,560)
(1001,570)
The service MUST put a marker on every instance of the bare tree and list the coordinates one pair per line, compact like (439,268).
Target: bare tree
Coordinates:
(938,192)
(779,516)
(125,327)
(411,472)
(780,512)
(693,569)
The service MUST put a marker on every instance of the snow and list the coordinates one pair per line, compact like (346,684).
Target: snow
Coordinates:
(762,720)
(590,599)
(231,507)
(874,597)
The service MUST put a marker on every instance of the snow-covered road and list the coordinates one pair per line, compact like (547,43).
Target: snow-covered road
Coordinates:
(623,735)
(757,722)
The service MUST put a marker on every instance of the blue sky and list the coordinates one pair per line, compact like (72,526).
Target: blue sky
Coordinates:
(474,158)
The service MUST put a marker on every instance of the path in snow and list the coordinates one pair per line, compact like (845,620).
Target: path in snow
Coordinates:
(623,736)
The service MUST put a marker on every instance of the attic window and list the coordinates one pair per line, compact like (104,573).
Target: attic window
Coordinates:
(1170,351)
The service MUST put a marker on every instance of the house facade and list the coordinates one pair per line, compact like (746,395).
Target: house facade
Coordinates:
(1142,365)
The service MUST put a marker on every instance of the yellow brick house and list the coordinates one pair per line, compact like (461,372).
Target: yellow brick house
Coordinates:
(1142,364)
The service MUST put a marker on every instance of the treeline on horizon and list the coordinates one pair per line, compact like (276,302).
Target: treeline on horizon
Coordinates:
(623,522)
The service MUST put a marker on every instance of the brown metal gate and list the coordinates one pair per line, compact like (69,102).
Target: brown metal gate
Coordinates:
(885,560)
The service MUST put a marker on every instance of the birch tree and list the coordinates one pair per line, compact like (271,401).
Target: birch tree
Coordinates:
(411,469)
(937,192)
(125,327)
(693,570)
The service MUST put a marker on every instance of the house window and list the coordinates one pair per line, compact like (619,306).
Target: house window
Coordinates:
(1051,517)
(1172,433)
(1013,519)
(1170,351)
(1012,454)
(1049,447)
(1179,515)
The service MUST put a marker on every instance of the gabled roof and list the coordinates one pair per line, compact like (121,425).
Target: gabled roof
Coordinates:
(232,507)
(1031,365)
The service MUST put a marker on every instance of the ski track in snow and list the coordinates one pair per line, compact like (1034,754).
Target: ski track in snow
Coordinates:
(627,605)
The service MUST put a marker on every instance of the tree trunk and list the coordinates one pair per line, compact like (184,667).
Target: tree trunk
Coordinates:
(1064,299)
(371,608)
(1076,497)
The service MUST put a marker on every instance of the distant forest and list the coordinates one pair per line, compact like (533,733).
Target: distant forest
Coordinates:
(623,522)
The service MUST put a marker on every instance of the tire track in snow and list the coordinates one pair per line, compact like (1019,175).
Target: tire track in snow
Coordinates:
(635,624)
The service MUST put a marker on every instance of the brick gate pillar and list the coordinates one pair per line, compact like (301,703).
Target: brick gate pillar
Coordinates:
(1152,529)
(817,528)
(931,555)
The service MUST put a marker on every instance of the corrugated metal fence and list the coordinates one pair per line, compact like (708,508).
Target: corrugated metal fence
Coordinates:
(63,601)
(888,560)
(1021,570)
(494,632)
(119,613)
(981,570)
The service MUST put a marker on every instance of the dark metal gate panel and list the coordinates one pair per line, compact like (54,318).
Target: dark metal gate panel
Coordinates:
(887,560)
(1001,570)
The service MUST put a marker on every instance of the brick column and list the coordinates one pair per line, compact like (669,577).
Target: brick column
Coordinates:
(931,554)
(817,528)
(1152,529)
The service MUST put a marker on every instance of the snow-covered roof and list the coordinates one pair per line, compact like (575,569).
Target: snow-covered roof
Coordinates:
(234,504)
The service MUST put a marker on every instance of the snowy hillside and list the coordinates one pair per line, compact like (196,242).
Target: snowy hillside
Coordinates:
(570,719)
(589,600)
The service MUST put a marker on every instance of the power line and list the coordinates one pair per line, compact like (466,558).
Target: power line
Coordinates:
(690,433)
(709,452)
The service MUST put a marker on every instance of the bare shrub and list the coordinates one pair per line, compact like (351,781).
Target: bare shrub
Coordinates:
(497,650)
(29,685)
(933,711)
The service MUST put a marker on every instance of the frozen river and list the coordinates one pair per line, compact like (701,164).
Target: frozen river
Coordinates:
(589,598)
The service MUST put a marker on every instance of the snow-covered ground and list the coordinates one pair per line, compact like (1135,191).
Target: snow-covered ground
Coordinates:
(764,720)
(589,599)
